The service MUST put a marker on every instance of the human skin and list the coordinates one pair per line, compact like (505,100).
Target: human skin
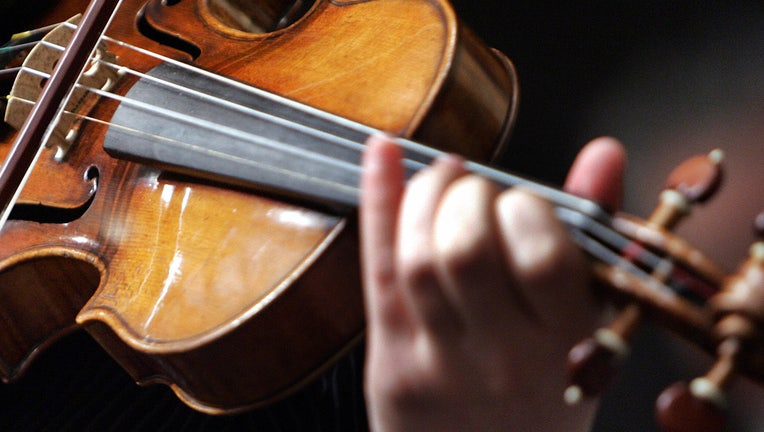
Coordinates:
(473,295)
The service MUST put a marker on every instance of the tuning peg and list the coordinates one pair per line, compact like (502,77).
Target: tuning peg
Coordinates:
(682,408)
(592,363)
(701,405)
(693,181)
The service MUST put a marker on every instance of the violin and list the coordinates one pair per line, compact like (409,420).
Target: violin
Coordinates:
(205,168)
(190,283)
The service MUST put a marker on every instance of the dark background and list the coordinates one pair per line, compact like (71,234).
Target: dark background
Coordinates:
(670,78)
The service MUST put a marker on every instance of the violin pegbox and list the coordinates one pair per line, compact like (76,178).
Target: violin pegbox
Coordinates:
(738,333)
(659,276)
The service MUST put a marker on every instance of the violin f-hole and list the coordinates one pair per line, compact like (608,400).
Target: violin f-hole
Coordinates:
(57,214)
(146,28)
(258,17)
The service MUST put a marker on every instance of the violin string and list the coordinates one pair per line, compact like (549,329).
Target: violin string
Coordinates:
(233,158)
(552,194)
(584,231)
(357,146)
(555,195)
(15,49)
(251,138)
(9,73)
(273,119)
(585,240)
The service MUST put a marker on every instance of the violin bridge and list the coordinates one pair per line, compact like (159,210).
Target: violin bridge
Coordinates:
(101,73)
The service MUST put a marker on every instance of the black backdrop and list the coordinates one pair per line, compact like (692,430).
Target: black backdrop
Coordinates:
(570,56)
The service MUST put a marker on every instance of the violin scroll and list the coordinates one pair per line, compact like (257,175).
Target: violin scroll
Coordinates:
(688,293)
(738,307)
(592,363)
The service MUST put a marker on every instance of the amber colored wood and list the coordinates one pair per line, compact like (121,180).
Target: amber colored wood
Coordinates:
(232,298)
(739,309)
(25,150)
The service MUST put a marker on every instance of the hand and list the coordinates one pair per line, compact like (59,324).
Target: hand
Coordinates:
(473,295)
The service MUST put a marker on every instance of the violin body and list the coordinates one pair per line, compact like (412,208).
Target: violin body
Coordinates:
(231,296)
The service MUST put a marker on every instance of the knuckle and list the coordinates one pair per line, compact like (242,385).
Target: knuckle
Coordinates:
(548,253)
(382,275)
(472,186)
(401,391)
(408,388)
(465,256)
(418,270)
(538,242)
(465,228)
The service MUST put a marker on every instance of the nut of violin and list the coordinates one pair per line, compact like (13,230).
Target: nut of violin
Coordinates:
(697,178)
(694,408)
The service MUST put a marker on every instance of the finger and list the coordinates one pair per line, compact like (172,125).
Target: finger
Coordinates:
(381,187)
(597,172)
(469,256)
(548,269)
(416,265)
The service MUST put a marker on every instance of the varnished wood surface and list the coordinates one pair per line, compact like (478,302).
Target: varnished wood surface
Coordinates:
(231,298)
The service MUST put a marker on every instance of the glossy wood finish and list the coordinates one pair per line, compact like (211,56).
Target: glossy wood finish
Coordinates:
(232,298)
